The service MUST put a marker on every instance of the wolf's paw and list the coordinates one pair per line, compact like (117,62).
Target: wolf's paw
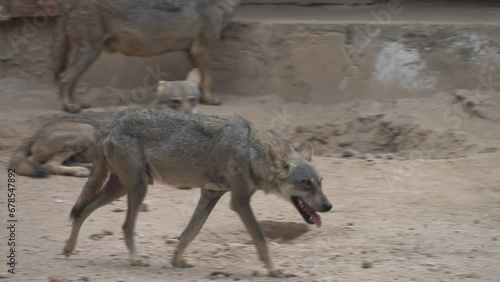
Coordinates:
(277,273)
(181,264)
(138,262)
(81,172)
(68,249)
(210,100)
(72,108)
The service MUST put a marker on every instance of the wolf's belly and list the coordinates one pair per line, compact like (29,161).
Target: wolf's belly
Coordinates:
(149,40)
(190,176)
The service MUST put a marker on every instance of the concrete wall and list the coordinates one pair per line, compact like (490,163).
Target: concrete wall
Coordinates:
(336,62)
(316,62)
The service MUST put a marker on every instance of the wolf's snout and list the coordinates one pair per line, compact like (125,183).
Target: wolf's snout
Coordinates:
(327,207)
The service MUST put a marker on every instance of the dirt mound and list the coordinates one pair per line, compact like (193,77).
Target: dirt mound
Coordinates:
(382,137)
(282,230)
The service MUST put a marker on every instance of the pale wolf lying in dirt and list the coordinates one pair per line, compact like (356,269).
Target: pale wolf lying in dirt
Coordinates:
(135,28)
(65,146)
(215,153)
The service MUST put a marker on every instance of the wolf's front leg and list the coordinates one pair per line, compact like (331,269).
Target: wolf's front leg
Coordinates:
(241,205)
(208,200)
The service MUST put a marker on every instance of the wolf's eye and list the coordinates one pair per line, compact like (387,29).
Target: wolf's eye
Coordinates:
(306,182)
(175,103)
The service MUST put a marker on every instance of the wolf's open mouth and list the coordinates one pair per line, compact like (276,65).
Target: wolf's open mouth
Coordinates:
(309,215)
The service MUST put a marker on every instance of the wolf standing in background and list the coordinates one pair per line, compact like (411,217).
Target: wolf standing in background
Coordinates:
(65,146)
(135,28)
(215,153)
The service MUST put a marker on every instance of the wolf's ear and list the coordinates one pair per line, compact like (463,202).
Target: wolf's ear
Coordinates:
(306,152)
(194,76)
(279,165)
(162,86)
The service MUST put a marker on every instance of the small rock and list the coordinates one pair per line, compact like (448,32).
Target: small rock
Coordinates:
(144,207)
(84,278)
(495,239)
(389,157)
(477,221)
(58,201)
(5,276)
(255,273)
(171,241)
(369,157)
(350,224)
(220,274)
(366,264)
(96,237)
(349,153)
(118,210)
(101,235)
(344,143)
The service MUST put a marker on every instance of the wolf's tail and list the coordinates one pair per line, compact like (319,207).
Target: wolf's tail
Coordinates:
(98,175)
(23,165)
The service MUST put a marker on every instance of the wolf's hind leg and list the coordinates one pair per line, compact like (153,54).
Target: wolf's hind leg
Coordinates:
(125,158)
(111,191)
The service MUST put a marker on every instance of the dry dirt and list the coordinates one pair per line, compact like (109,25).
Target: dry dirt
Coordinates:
(419,200)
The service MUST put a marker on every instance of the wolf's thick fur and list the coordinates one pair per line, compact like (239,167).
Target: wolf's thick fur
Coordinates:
(215,153)
(65,146)
(135,28)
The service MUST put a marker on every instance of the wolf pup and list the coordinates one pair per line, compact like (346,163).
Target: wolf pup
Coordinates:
(65,146)
(218,154)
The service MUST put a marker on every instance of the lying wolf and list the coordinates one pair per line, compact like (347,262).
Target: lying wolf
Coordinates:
(215,153)
(65,146)
(135,28)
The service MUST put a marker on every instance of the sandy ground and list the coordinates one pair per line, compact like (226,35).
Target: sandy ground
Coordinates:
(419,200)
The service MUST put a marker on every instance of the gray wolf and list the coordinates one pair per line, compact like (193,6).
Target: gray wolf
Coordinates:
(218,154)
(135,28)
(65,146)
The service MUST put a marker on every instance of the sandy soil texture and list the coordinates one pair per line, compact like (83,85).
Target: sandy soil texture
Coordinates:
(414,184)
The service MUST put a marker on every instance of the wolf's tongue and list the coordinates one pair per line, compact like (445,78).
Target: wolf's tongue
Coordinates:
(317,219)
